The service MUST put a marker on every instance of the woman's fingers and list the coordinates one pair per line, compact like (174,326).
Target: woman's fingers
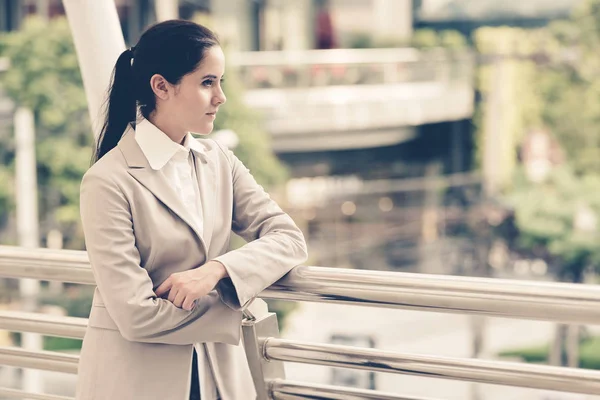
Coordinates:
(179,298)
(172,294)
(164,287)
(189,302)
(184,288)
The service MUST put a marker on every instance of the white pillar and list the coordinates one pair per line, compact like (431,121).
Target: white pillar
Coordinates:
(26,179)
(430,258)
(166,9)
(99,42)
(54,240)
(497,157)
(43,9)
(27,228)
(297,25)
(288,25)
(393,19)
(233,23)
(272,34)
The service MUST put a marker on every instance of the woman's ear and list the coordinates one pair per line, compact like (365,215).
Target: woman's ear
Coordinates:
(160,86)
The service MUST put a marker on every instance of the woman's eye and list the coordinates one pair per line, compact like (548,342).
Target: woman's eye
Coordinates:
(210,82)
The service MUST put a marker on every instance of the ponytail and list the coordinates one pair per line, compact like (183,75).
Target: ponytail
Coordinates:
(120,107)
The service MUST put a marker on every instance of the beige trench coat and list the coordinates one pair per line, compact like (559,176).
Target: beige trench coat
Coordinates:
(137,233)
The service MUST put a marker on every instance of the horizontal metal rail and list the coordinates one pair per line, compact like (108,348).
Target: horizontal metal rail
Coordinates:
(44,324)
(568,303)
(289,390)
(43,360)
(19,394)
(472,370)
(45,264)
(561,302)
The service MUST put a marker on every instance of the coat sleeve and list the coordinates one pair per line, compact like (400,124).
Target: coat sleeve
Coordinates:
(275,244)
(126,287)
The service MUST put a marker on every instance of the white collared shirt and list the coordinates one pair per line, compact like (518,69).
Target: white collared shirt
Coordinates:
(175,161)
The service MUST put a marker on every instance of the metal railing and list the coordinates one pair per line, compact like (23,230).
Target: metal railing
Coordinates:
(313,68)
(567,303)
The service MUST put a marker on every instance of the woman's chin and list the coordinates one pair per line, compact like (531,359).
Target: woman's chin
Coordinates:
(203,130)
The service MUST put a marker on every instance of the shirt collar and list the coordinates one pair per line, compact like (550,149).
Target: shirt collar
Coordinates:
(158,148)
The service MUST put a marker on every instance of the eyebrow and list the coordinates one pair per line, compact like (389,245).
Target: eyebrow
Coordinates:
(209,76)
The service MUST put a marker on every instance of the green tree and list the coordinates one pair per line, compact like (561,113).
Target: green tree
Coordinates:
(421,39)
(568,91)
(448,39)
(551,218)
(572,88)
(551,79)
(44,76)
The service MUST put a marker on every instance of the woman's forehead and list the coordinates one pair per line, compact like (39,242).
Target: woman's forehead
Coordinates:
(213,63)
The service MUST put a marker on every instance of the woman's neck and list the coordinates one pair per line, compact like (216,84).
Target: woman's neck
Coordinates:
(168,127)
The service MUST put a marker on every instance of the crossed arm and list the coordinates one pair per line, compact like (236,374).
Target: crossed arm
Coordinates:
(275,245)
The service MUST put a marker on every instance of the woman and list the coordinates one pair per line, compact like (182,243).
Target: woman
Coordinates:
(157,209)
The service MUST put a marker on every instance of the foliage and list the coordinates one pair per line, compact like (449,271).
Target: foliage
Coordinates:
(283,309)
(545,214)
(589,353)
(44,76)
(538,354)
(572,89)
(508,82)
(52,343)
(548,78)
(449,39)
(421,38)
(6,193)
(360,40)
(76,300)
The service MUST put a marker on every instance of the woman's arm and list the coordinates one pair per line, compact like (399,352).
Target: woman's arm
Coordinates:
(275,244)
(126,287)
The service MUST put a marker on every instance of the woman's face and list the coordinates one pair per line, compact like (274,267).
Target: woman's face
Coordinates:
(199,94)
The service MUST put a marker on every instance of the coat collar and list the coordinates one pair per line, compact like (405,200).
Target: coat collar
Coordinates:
(143,146)
(156,182)
(159,148)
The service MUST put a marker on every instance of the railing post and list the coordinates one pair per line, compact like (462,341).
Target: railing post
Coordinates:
(254,329)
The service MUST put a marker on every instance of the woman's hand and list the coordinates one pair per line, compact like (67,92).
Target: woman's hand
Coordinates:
(187,286)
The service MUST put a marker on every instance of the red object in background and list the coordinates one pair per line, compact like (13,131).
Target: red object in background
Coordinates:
(338,71)
(325,34)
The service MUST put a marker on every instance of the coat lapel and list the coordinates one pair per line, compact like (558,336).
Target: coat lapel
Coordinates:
(207,182)
(156,182)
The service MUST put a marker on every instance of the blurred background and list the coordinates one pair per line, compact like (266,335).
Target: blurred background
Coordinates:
(457,137)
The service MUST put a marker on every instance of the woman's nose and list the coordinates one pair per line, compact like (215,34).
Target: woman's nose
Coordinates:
(220,98)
